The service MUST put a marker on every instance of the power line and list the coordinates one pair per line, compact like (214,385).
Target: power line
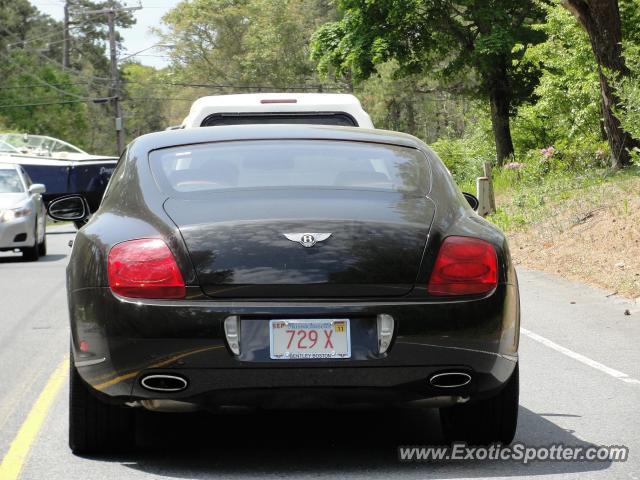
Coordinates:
(64,92)
(180,84)
(315,87)
(63,102)
(51,60)
(158,99)
(43,82)
(46,35)
(35,85)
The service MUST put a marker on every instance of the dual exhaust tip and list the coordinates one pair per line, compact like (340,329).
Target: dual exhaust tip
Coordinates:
(450,380)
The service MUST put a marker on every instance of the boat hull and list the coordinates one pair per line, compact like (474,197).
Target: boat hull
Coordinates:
(88,178)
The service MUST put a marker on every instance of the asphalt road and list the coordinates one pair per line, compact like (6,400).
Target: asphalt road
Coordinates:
(580,385)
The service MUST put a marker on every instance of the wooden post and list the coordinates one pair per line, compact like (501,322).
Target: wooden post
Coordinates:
(487,173)
(483,185)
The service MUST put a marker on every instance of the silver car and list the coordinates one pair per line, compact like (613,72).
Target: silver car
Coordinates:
(23,219)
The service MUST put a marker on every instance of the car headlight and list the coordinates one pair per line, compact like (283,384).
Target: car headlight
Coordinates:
(13,213)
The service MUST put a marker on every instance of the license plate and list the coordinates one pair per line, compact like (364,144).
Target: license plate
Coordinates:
(309,339)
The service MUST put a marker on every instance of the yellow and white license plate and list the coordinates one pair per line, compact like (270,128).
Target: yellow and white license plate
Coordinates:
(309,339)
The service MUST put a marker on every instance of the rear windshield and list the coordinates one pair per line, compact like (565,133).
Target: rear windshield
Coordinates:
(10,181)
(339,119)
(290,163)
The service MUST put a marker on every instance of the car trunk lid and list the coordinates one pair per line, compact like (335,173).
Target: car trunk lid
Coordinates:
(237,243)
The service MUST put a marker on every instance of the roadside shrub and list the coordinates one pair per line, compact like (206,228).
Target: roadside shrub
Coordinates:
(462,159)
(537,166)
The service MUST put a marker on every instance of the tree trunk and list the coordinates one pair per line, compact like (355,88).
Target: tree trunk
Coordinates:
(500,99)
(601,20)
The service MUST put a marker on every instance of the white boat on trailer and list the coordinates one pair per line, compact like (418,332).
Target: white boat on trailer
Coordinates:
(62,167)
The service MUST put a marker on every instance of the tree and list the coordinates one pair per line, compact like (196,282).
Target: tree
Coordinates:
(27,76)
(245,42)
(412,104)
(476,39)
(567,112)
(146,107)
(90,34)
(601,20)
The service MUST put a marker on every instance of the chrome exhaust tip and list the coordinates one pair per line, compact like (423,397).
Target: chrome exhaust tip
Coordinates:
(164,383)
(450,380)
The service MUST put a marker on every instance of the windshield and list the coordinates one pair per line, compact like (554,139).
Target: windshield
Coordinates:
(5,147)
(35,144)
(10,181)
(290,163)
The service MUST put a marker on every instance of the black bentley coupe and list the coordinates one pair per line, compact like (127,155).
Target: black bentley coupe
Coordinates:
(279,266)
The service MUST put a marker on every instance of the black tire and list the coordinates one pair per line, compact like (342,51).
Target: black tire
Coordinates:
(493,420)
(95,426)
(31,254)
(42,247)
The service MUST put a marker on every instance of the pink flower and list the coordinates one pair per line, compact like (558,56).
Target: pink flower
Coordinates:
(514,166)
(548,152)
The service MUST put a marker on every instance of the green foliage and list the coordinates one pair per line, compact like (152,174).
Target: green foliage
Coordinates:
(567,110)
(37,95)
(440,39)
(629,88)
(243,42)
(465,156)
(412,104)
(146,107)
(450,42)
(521,204)
(60,120)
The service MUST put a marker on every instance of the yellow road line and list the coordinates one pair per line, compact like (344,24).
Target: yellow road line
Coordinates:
(127,376)
(14,459)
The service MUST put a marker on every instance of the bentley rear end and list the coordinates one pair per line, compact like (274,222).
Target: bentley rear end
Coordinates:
(289,267)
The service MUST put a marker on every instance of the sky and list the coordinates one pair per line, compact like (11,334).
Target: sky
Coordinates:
(137,37)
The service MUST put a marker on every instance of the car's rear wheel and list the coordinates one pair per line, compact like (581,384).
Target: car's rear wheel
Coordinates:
(493,420)
(95,426)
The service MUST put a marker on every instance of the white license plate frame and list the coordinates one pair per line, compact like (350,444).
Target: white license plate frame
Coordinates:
(341,327)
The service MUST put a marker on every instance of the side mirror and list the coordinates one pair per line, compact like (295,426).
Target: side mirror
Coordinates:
(37,188)
(70,208)
(472,199)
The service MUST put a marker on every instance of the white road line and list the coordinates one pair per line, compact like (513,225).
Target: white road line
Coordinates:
(581,358)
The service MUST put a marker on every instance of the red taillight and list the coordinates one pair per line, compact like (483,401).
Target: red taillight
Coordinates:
(465,266)
(144,268)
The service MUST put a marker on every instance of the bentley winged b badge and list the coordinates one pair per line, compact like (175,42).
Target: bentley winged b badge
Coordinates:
(307,239)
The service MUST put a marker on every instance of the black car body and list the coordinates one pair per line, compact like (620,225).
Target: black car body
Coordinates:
(454,347)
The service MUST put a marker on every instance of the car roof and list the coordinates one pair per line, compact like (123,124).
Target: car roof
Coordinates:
(265,103)
(8,166)
(171,138)
(250,99)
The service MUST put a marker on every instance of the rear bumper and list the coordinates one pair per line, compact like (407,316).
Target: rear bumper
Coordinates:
(127,340)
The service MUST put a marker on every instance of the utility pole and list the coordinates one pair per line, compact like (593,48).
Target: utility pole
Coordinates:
(115,75)
(66,46)
(115,81)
